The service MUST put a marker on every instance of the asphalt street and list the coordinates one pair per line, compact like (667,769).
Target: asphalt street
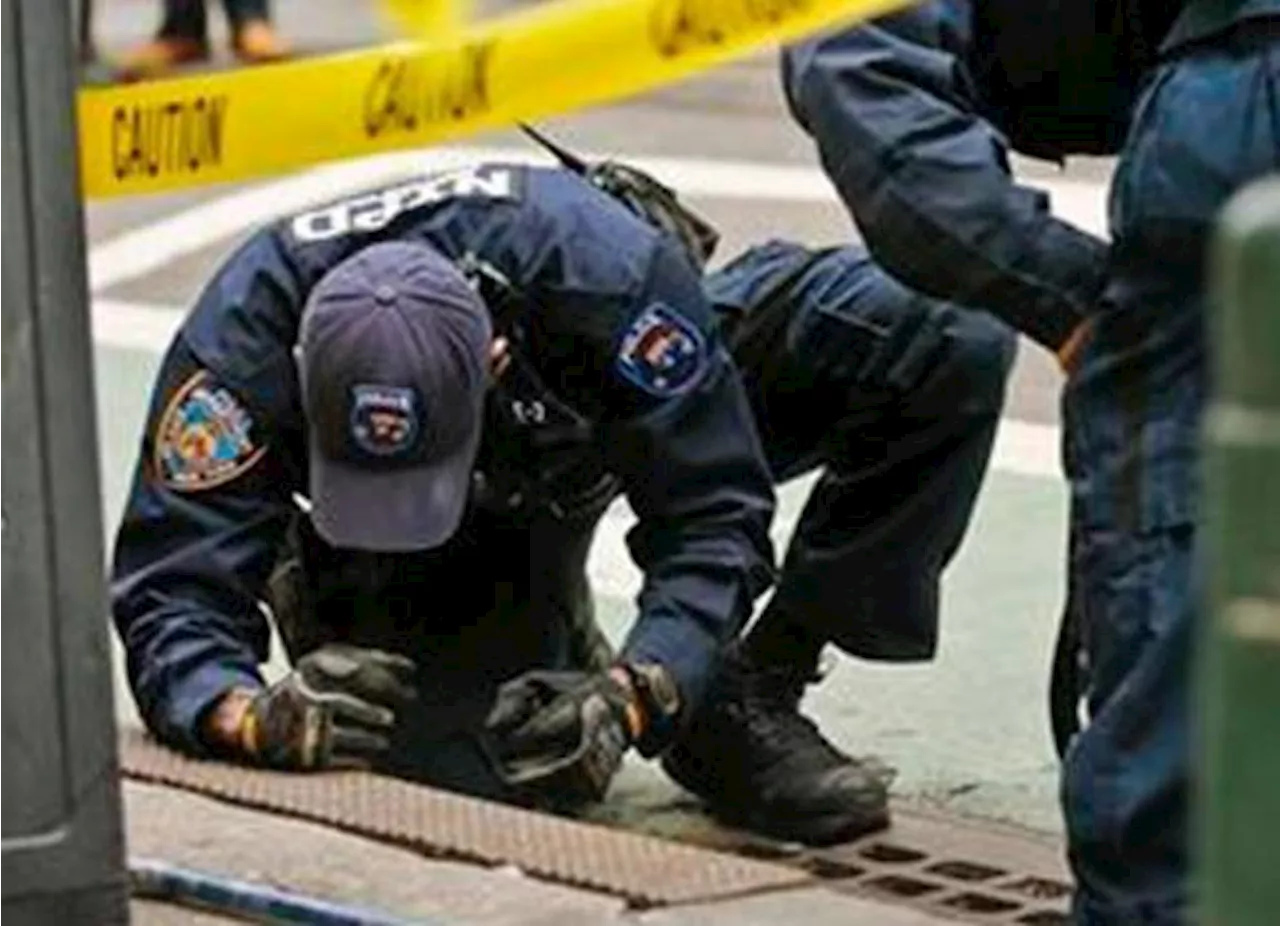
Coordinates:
(969,731)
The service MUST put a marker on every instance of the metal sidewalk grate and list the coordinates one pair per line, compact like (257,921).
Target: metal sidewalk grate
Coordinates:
(644,870)
(969,871)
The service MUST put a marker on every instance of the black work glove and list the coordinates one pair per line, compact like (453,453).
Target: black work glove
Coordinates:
(334,710)
(559,737)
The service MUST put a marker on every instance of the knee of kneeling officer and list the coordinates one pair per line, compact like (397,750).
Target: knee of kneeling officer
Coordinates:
(975,375)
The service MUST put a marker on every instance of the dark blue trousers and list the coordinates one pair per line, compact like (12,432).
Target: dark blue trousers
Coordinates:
(1207,123)
(186,19)
(894,397)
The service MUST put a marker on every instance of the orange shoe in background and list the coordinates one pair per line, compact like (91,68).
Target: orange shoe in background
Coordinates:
(256,42)
(161,55)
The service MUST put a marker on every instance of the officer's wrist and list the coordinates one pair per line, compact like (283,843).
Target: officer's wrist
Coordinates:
(230,726)
(658,702)
(636,718)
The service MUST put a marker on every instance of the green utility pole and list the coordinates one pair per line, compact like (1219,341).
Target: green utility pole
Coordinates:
(1239,698)
(63,846)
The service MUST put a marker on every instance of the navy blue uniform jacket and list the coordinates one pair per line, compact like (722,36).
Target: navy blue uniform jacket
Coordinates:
(621,334)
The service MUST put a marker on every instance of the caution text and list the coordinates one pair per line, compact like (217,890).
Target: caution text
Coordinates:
(408,94)
(677,27)
(184,136)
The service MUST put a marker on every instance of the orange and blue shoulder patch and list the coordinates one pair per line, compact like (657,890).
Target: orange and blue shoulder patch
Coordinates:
(662,352)
(204,438)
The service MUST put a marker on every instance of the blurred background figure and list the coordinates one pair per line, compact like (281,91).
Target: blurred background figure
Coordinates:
(183,38)
(86,49)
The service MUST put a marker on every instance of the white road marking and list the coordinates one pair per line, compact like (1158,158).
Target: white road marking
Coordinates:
(134,325)
(143,250)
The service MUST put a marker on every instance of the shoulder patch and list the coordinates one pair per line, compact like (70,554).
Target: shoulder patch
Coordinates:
(204,437)
(373,210)
(661,352)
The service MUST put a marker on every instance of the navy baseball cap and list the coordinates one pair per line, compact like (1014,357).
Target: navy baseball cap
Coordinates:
(393,356)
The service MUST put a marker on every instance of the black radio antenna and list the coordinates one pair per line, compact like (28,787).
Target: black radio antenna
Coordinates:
(563,155)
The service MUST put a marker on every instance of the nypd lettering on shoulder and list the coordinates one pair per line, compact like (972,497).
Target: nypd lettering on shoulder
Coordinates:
(371,211)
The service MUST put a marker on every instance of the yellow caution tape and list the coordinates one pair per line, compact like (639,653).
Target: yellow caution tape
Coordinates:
(190,131)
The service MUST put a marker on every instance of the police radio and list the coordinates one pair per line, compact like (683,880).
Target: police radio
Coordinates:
(652,201)
(532,457)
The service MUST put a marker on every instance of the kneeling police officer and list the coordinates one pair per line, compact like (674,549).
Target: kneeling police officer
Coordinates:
(398,419)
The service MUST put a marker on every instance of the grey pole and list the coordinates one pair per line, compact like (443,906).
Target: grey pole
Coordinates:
(62,835)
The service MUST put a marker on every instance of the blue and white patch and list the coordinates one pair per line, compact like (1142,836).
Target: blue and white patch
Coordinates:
(385,420)
(662,352)
(204,438)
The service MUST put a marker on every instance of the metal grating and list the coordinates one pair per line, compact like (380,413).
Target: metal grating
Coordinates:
(973,879)
(644,870)
(970,872)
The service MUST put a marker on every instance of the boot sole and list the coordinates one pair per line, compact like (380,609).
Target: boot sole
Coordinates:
(815,831)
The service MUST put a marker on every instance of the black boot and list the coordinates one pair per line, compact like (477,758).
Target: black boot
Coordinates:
(759,764)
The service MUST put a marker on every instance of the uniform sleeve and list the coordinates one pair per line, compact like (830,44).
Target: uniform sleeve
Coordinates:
(201,528)
(926,178)
(685,445)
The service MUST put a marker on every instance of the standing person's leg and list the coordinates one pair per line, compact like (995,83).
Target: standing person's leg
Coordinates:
(86,49)
(185,19)
(896,397)
(183,38)
(1068,671)
(254,38)
(1208,122)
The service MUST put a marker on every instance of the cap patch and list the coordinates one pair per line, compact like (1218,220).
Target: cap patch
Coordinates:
(661,352)
(204,438)
(385,420)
